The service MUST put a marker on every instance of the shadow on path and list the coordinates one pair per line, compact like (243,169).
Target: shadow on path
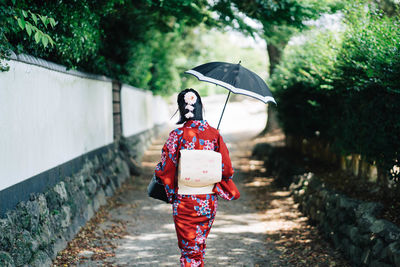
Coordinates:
(262,228)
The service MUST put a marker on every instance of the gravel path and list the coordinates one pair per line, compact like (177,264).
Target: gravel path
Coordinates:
(262,228)
(236,239)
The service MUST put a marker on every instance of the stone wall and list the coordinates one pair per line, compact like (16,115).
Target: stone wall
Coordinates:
(79,136)
(34,232)
(353,226)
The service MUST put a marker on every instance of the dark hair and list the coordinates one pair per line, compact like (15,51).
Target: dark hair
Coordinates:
(198,107)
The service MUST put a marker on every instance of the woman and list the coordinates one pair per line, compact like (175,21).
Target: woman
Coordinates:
(194,214)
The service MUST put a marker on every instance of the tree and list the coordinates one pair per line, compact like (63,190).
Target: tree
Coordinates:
(31,25)
(280,20)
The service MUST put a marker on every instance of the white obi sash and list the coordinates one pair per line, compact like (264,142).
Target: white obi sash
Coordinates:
(198,171)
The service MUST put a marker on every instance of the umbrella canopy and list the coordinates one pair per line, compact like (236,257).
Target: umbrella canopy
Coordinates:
(235,78)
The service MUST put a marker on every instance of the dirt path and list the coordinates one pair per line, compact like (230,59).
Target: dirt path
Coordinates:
(236,239)
(262,228)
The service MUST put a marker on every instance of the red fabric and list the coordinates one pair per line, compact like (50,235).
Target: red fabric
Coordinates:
(193,218)
(194,214)
(195,134)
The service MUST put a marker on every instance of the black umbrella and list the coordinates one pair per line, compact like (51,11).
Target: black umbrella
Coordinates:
(235,78)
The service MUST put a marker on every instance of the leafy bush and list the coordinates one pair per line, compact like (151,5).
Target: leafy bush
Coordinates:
(303,85)
(24,22)
(368,85)
(348,90)
(108,37)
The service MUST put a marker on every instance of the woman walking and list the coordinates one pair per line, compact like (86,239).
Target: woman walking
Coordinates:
(194,213)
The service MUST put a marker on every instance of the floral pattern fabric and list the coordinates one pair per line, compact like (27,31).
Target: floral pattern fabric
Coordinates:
(194,214)
(193,218)
(195,134)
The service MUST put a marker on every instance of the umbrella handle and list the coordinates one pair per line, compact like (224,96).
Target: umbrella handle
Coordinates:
(223,110)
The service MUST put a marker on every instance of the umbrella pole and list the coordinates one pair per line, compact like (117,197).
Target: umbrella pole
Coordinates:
(223,110)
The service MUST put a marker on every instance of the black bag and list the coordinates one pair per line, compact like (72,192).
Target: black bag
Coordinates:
(156,189)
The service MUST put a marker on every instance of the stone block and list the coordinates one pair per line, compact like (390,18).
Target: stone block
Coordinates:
(365,240)
(354,235)
(115,181)
(80,202)
(25,215)
(354,253)
(43,210)
(323,194)
(377,263)
(88,213)
(95,161)
(99,199)
(391,232)
(336,240)
(44,236)
(109,190)
(133,166)
(59,244)
(343,229)
(377,247)
(100,178)
(61,191)
(21,248)
(384,255)
(40,259)
(394,253)
(341,217)
(377,227)
(4,229)
(6,260)
(373,208)
(79,180)
(66,216)
(366,256)
(345,244)
(90,187)
(314,182)
(385,229)
(365,222)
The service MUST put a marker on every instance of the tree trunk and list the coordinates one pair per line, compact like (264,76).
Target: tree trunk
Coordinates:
(274,54)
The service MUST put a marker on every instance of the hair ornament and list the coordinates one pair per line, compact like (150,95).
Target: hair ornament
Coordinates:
(189,107)
(190,98)
(189,115)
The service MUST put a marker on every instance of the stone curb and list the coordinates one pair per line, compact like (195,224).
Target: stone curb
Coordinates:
(352,225)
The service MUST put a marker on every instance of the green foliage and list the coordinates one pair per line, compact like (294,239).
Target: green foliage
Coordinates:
(347,90)
(303,84)
(367,80)
(21,21)
(110,36)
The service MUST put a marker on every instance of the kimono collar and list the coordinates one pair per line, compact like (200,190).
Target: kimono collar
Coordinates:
(203,124)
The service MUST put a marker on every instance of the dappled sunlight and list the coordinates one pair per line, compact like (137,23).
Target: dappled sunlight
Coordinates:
(156,153)
(253,231)
(259,181)
(149,236)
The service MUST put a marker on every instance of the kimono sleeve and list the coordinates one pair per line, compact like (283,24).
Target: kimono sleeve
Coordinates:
(167,167)
(226,188)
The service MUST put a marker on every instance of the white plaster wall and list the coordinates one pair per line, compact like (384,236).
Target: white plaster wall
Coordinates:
(47,118)
(161,111)
(136,108)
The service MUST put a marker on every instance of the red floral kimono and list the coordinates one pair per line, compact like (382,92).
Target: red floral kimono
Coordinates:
(194,214)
